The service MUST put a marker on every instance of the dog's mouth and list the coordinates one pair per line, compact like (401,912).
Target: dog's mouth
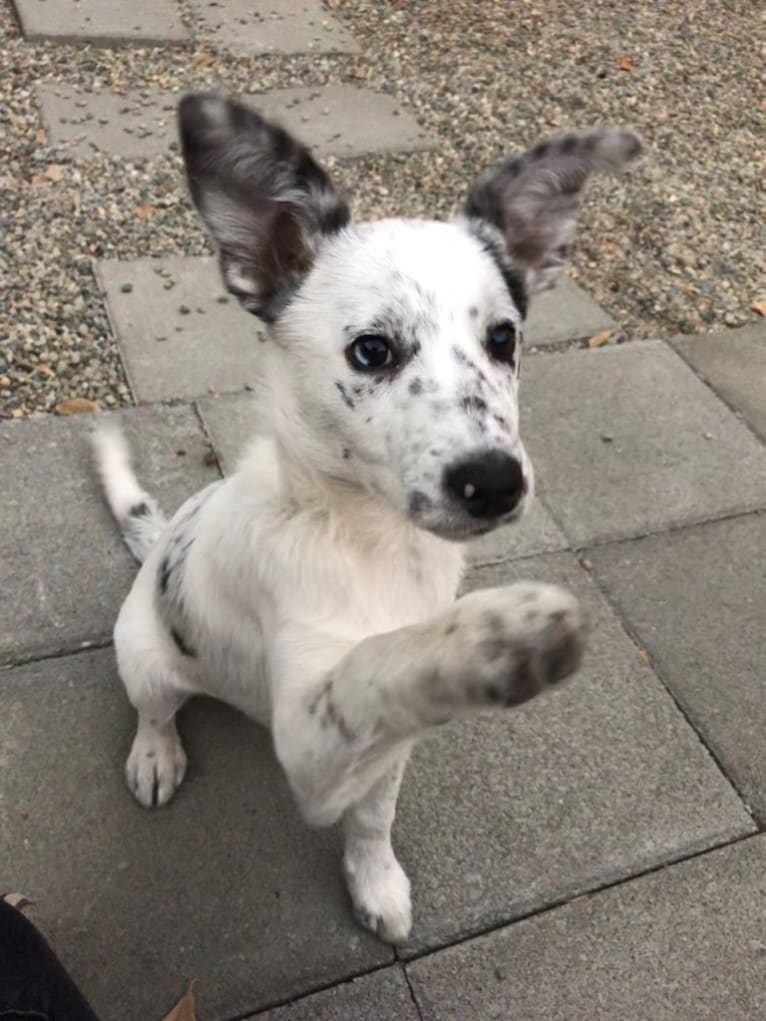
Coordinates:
(463,528)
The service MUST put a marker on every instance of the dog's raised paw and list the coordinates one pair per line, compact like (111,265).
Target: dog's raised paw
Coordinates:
(523,639)
(155,767)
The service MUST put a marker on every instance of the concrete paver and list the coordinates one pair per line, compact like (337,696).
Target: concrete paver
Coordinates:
(627,441)
(64,568)
(230,422)
(273,26)
(340,120)
(564,313)
(180,334)
(225,885)
(697,601)
(684,942)
(505,814)
(103,22)
(381,996)
(734,363)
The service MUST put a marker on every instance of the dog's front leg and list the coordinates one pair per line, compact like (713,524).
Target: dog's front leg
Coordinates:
(342,731)
(378,885)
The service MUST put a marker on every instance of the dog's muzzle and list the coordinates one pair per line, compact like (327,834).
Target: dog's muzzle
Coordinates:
(488,485)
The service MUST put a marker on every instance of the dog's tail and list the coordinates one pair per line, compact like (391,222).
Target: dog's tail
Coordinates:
(139,517)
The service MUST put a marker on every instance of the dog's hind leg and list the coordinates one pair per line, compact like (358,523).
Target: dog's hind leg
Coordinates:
(157,762)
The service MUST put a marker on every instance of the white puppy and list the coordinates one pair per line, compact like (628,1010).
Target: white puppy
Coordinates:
(315,588)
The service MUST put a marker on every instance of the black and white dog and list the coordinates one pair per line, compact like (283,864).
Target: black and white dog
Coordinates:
(315,588)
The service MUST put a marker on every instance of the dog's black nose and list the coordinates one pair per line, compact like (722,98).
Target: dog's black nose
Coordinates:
(487,485)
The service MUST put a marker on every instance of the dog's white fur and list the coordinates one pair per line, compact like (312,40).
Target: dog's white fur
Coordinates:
(314,588)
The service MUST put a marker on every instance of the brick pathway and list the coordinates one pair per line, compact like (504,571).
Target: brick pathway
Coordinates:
(596,855)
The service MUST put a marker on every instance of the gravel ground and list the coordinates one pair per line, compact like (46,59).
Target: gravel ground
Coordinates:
(678,246)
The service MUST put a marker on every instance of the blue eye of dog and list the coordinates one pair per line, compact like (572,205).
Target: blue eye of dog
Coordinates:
(369,353)
(501,342)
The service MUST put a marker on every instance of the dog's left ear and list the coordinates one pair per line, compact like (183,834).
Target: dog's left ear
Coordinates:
(263,198)
(533,198)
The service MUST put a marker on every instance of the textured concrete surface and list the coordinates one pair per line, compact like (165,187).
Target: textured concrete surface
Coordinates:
(180,334)
(343,120)
(103,22)
(273,26)
(340,120)
(131,124)
(564,313)
(513,811)
(64,570)
(381,996)
(734,364)
(226,885)
(627,441)
(685,942)
(697,602)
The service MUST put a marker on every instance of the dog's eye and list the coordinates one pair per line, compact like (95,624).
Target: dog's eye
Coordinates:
(501,342)
(369,353)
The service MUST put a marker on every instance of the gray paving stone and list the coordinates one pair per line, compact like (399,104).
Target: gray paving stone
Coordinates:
(734,363)
(230,423)
(103,22)
(697,601)
(273,26)
(226,885)
(134,125)
(180,334)
(686,942)
(340,120)
(64,570)
(627,441)
(564,313)
(382,996)
(343,120)
(506,814)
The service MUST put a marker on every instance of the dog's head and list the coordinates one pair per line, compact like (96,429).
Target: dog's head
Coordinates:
(395,346)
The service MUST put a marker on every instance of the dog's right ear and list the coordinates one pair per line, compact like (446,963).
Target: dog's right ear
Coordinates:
(263,198)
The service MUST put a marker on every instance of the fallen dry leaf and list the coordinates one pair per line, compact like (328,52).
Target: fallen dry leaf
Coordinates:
(77,406)
(144,211)
(759,307)
(41,138)
(599,339)
(54,172)
(16,900)
(625,63)
(184,1009)
(360,72)
(643,655)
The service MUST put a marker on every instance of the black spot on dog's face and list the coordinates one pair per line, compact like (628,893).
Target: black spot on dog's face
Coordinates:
(347,400)
(416,387)
(139,510)
(473,404)
(418,503)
